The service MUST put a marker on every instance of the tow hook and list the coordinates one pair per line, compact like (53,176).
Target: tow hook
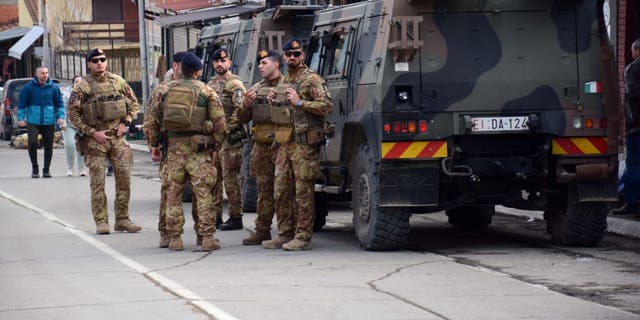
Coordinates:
(458,171)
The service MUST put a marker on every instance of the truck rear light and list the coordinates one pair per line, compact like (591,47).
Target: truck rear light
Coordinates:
(422,126)
(387,128)
(404,126)
(577,122)
(588,123)
(603,123)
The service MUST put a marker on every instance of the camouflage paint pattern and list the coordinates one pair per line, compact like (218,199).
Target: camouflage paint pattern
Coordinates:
(116,149)
(229,160)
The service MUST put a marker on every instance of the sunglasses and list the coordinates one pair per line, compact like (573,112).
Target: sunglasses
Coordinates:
(95,60)
(293,53)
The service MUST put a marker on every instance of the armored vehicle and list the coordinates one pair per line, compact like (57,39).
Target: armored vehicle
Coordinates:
(463,105)
(244,39)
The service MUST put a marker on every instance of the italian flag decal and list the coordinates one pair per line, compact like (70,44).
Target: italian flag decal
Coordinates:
(593,87)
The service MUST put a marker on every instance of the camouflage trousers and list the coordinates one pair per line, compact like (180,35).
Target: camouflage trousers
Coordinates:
(262,168)
(228,162)
(297,167)
(181,163)
(118,152)
(162,214)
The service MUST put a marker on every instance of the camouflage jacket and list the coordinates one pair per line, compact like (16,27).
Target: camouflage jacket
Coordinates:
(81,94)
(231,91)
(311,88)
(155,110)
(246,112)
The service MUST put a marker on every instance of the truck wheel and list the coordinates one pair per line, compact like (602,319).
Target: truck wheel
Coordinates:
(471,217)
(579,224)
(377,228)
(322,210)
(249,190)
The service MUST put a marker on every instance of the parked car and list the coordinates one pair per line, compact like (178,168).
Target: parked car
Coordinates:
(9,106)
(10,99)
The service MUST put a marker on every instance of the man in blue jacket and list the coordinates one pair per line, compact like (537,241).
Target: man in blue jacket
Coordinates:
(40,108)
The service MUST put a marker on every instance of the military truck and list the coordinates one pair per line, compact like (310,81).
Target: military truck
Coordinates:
(463,105)
(244,39)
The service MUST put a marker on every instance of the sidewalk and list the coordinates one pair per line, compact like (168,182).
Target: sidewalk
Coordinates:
(622,225)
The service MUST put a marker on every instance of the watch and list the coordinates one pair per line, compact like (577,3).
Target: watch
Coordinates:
(299,103)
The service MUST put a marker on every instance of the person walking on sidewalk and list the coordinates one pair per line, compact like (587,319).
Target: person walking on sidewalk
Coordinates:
(631,176)
(69,134)
(102,107)
(40,109)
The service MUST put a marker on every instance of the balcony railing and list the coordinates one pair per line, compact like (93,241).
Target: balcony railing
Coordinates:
(85,35)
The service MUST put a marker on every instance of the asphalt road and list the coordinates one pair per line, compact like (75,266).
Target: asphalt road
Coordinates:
(54,266)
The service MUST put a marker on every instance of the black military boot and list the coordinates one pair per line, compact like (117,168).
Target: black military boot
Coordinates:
(218,222)
(627,209)
(45,173)
(35,171)
(233,223)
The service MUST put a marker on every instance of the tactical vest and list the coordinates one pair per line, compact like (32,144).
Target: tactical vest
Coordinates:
(182,112)
(281,110)
(308,128)
(226,98)
(106,102)
(261,112)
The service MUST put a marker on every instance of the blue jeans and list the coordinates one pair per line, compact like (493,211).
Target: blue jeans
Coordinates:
(631,176)
(69,135)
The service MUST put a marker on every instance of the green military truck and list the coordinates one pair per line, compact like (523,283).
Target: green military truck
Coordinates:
(464,105)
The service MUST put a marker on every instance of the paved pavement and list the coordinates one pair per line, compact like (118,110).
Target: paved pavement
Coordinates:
(622,225)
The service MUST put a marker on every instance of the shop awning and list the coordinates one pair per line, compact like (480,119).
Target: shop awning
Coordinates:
(13,33)
(208,14)
(25,42)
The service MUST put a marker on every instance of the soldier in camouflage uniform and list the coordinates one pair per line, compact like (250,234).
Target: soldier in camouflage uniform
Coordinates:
(304,101)
(231,91)
(176,74)
(263,153)
(102,107)
(190,114)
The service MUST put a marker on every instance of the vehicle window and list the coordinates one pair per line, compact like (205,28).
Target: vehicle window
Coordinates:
(315,54)
(15,92)
(338,54)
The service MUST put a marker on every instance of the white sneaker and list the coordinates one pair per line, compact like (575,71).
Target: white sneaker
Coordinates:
(83,173)
(69,172)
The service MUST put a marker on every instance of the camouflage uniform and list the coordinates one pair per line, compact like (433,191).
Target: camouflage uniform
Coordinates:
(297,161)
(182,161)
(230,90)
(263,156)
(116,149)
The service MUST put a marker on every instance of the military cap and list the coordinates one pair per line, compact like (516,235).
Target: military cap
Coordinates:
(190,60)
(270,53)
(221,53)
(95,53)
(179,56)
(292,44)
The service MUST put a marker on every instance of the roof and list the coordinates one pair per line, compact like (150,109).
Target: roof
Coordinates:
(181,5)
(212,13)
(13,33)
(32,7)
(25,42)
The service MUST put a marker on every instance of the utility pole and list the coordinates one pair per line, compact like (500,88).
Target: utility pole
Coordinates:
(46,53)
(143,54)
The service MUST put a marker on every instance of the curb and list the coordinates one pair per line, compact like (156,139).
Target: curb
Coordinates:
(625,227)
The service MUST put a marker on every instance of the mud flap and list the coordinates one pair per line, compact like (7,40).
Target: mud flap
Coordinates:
(597,191)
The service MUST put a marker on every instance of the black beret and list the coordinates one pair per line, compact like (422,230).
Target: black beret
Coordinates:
(292,44)
(190,60)
(95,53)
(221,53)
(179,56)
(270,53)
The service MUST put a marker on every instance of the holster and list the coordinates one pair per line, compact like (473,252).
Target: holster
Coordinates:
(82,144)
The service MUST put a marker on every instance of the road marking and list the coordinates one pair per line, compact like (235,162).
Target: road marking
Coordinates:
(156,277)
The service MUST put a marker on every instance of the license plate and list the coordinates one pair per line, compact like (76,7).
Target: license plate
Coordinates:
(485,124)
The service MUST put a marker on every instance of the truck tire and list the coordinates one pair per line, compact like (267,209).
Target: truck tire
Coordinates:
(249,190)
(377,228)
(322,210)
(579,224)
(471,217)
